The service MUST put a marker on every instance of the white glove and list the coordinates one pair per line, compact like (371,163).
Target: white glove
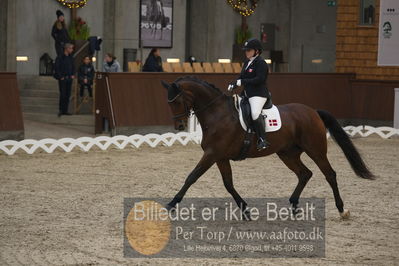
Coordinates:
(231,87)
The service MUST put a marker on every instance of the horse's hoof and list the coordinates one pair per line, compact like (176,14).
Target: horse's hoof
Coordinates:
(246,215)
(345,214)
(294,210)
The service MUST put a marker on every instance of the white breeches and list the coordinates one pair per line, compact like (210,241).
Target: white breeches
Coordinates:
(256,104)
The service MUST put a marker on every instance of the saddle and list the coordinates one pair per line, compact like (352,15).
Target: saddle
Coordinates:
(270,112)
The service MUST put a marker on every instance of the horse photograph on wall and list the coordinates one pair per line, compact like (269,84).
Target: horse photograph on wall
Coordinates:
(156,23)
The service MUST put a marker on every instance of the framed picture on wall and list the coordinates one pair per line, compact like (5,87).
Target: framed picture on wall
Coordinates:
(156,23)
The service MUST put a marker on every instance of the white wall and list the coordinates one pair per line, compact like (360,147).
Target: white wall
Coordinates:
(306,43)
(211,34)
(215,22)
(35,19)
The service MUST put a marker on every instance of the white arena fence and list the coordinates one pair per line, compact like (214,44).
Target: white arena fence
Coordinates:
(193,135)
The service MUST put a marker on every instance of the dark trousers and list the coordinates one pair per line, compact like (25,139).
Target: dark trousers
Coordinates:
(85,86)
(65,87)
(59,48)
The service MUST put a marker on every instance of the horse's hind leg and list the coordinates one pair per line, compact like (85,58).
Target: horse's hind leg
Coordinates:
(331,176)
(292,159)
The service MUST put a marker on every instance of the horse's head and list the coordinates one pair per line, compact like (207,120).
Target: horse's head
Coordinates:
(178,104)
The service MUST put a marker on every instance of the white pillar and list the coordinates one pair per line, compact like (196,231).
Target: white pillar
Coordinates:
(396,110)
(191,124)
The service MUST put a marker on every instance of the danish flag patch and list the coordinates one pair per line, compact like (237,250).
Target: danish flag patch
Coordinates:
(273,122)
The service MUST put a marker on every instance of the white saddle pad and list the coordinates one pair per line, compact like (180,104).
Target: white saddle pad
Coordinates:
(272,116)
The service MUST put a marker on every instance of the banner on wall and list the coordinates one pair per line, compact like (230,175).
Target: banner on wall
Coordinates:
(388,40)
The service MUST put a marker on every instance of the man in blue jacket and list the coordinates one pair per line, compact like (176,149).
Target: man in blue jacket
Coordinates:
(65,73)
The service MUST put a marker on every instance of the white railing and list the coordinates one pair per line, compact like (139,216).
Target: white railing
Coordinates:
(365,131)
(194,135)
(86,143)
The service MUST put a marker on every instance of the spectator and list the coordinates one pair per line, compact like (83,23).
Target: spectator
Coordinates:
(86,76)
(110,64)
(60,33)
(64,73)
(153,63)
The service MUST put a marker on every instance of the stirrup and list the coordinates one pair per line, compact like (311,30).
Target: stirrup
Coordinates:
(262,144)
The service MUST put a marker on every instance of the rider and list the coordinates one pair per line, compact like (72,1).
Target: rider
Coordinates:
(253,77)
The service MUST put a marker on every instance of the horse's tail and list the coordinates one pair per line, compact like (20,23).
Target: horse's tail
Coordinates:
(342,139)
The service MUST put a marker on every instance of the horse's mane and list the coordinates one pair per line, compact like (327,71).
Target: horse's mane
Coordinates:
(212,87)
(199,81)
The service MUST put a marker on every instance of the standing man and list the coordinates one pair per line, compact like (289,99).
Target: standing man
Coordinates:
(64,73)
(60,33)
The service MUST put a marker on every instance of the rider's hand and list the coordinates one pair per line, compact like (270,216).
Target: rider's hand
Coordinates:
(231,86)
(234,85)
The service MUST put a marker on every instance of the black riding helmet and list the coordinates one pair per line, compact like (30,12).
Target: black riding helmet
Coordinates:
(253,44)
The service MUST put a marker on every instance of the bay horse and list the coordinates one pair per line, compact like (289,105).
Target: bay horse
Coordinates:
(303,130)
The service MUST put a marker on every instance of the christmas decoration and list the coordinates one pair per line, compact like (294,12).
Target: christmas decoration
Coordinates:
(73,3)
(79,30)
(242,6)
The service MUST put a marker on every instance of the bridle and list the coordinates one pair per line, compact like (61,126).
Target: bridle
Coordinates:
(187,111)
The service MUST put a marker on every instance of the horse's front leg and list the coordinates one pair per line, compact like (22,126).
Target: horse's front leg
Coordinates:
(227,175)
(204,164)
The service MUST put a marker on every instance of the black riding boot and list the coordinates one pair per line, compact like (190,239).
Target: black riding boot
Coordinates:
(260,129)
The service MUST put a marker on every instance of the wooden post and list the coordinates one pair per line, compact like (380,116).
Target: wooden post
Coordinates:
(74,14)
(244,24)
